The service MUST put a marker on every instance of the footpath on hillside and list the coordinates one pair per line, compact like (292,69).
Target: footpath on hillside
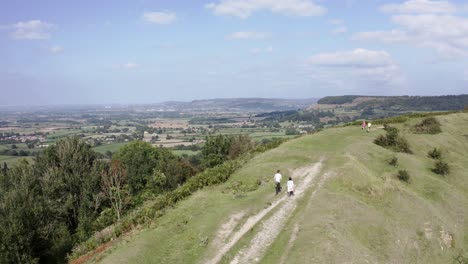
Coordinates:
(269,225)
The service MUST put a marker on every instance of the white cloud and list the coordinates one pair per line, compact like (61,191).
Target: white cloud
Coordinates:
(161,18)
(359,67)
(245,8)
(420,7)
(248,35)
(264,50)
(340,30)
(448,34)
(55,49)
(358,58)
(125,66)
(32,30)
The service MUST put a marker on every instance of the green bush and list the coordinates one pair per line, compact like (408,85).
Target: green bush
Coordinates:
(274,143)
(435,153)
(393,161)
(105,218)
(393,141)
(403,175)
(291,131)
(429,125)
(441,168)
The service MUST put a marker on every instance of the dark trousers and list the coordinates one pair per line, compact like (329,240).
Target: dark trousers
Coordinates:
(278,188)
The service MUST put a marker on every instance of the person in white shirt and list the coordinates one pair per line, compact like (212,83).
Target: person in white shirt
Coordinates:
(291,187)
(278,181)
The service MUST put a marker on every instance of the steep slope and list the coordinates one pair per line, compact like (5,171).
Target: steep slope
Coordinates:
(350,207)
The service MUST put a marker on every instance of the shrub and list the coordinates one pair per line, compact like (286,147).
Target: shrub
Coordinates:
(441,168)
(403,175)
(291,131)
(393,161)
(106,218)
(435,153)
(393,141)
(429,125)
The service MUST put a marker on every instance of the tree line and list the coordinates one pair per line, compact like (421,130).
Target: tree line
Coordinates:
(68,192)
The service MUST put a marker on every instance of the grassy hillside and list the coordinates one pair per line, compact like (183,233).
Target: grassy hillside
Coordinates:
(353,210)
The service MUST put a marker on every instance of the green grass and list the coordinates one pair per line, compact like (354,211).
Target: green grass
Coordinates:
(4,146)
(109,147)
(363,214)
(11,160)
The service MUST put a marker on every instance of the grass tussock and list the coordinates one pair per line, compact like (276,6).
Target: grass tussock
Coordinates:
(403,175)
(393,161)
(435,154)
(441,168)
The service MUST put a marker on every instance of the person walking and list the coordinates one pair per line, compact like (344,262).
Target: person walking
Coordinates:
(369,124)
(278,181)
(363,124)
(291,187)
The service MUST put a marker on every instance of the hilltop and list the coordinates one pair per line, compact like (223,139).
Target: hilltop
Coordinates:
(350,205)
(396,103)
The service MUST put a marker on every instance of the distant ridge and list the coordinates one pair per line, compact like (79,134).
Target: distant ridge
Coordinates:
(399,103)
(238,104)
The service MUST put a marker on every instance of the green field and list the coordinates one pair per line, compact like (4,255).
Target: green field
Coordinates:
(11,160)
(354,210)
(109,147)
(63,133)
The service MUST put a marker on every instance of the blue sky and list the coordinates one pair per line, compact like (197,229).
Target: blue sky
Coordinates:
(144,51)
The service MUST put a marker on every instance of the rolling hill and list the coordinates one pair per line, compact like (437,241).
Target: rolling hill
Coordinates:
(238,105)
(349,207)
(397,103)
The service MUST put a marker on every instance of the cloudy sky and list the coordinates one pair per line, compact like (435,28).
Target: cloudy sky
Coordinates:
(143,51)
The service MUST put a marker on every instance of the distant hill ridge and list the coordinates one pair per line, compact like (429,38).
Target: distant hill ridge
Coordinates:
(401,103)
(240,104)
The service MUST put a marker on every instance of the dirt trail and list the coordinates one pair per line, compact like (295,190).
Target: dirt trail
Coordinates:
(293,237)
(227,228)
(272,226)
